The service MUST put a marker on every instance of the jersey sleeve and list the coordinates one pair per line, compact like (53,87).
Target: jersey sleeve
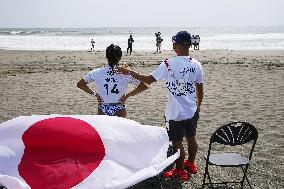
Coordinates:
(199,77)
(91,76)
(160,72)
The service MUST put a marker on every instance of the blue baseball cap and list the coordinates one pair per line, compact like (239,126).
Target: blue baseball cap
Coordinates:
(183,38)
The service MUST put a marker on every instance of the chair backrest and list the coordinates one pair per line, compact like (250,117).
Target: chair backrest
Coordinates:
(235,133)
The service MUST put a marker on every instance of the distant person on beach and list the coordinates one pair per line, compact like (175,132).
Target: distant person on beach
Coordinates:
(92,45)
(196,40)
(111,87)
(184,77)
(193,41)
(130,41)
(159,40)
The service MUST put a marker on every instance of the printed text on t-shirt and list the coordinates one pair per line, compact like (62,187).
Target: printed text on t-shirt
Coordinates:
(111,86)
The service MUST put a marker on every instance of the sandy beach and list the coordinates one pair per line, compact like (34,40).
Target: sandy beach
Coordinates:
(239,85)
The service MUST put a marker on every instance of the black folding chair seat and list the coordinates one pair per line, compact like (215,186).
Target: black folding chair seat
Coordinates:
(227,159)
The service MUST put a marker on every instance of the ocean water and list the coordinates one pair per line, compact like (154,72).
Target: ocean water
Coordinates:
(233,38)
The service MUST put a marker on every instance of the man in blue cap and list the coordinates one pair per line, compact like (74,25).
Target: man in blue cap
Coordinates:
(184,81)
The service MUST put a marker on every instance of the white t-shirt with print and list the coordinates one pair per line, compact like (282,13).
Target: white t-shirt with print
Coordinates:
(111,86)
(197,39)
(181,76)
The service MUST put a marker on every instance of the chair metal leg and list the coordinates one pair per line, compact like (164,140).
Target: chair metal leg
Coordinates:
(243,179)
(206,174)
(245,176)
(204,178)
(210,181)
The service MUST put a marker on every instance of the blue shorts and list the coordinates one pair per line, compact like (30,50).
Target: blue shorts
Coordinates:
(110,109)
(185,128)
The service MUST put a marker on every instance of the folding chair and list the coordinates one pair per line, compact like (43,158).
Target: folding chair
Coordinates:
(231,134)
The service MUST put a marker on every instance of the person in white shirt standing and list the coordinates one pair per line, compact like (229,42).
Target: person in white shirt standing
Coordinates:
(111,87)
(184,81)
(197,41)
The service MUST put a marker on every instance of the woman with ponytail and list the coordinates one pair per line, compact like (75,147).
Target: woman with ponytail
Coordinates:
(111,87)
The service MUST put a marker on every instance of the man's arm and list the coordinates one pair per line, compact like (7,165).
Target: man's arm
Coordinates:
(125,70)
(199,94)
(148,79)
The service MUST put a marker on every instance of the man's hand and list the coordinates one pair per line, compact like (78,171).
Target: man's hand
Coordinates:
(123,69)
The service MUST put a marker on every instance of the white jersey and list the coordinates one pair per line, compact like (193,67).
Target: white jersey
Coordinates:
(181,74)
(111,86)
(197,39)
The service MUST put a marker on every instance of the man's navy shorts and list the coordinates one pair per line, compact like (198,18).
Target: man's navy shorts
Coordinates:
(185,128)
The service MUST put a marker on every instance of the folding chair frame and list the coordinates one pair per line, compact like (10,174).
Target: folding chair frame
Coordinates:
(233,134)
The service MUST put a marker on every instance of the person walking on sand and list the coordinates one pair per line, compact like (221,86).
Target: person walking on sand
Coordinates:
(92,45)
(130,41)
(159,40)
(193,41)
(197,40)
(111,87)
(184,82)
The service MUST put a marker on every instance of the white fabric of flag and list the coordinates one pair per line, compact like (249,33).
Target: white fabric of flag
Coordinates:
(80,152)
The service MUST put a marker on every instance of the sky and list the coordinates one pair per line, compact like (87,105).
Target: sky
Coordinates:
(140,13)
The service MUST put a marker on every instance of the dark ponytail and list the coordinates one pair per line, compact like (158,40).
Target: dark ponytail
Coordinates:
(113,53)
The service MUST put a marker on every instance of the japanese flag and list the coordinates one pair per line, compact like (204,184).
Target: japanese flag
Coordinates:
(80,152)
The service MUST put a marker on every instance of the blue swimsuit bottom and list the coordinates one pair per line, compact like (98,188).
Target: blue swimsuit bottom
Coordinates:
(110,109)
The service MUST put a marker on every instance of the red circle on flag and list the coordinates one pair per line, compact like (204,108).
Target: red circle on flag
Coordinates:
(60,152)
